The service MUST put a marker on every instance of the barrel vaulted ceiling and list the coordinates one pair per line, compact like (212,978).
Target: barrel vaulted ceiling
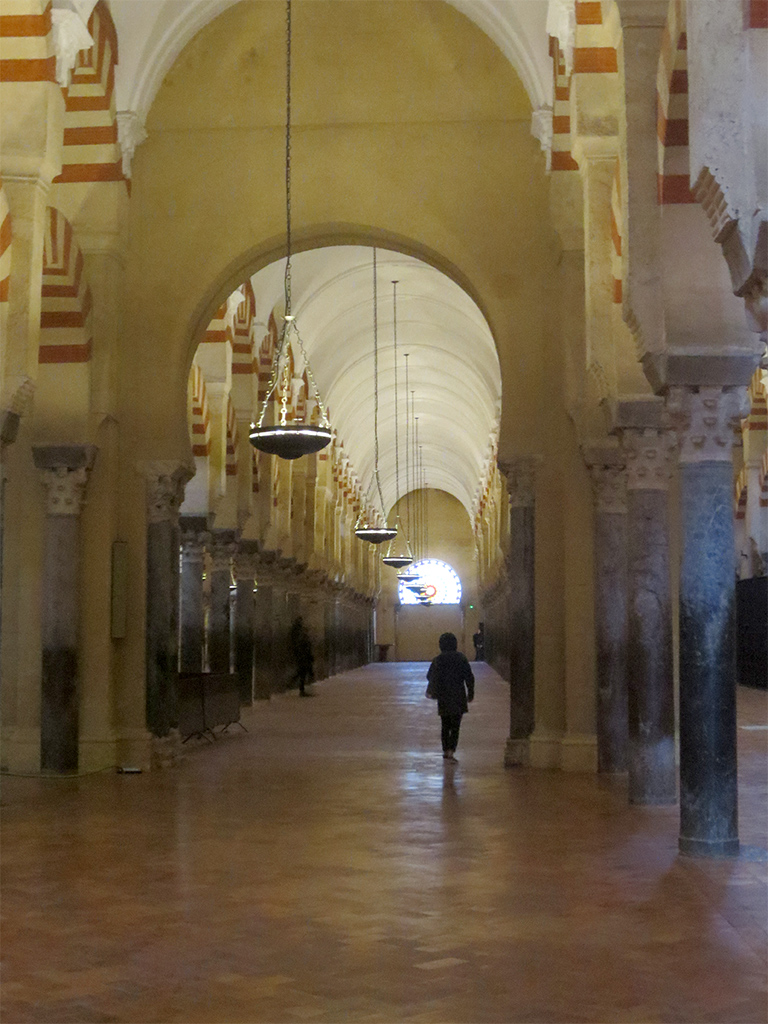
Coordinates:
(152,33)
(453,368)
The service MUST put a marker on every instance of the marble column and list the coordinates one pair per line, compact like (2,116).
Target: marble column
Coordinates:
(708,785)
(64,471)
(222,551)
(262,638)
(165,492)
(192,635)
(610,493)
(245,575)
(520,474)
(651,711)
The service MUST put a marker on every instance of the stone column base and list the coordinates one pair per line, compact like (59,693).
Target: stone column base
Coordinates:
(517,753)
(578,753)
(702,848)
(94,755)
(20,750)
(166,750)
(545,748)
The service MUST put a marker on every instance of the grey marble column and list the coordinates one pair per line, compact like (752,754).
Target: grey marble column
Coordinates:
(262,638)
(610,493)
(650,681)
(165,492)
(222,551)
(64,471)
(245,575)
(192,633)
(708,762)
(521,484)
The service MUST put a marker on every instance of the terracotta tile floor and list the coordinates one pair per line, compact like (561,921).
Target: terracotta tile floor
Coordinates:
(328,867)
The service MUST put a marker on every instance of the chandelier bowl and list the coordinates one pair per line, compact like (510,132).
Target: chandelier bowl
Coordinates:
(290,440)
(375,534)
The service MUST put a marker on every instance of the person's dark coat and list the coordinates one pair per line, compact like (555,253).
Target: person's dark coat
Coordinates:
(451,682)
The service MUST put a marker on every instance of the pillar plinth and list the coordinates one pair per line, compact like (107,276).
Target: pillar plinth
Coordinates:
(521,483)
(611,585)
(165,492)
(708,784)
(64,471)
(650,681)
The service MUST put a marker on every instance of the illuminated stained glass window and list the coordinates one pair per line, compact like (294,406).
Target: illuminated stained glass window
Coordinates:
(436,583)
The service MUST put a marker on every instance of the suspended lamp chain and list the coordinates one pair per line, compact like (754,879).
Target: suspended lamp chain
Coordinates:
(397,421)
(376,385)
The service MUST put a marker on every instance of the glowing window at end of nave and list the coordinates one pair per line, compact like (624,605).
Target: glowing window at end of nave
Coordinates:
(437,583)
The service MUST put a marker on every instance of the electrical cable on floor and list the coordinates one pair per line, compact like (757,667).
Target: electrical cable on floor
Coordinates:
(120,769)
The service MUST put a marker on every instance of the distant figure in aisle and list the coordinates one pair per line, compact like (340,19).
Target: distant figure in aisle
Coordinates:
(301,648)
(452,685)
(478,639)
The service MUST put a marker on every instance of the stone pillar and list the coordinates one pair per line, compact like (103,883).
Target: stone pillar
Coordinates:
(650,666)
(521,485)
(262,638)
(192,634)
(610,492)
(708,784)
(245,575)
(64,471)
(219,632)
(165,492)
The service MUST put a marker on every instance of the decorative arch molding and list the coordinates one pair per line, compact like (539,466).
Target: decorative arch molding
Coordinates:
(66,298)
(317,237)
(176,23)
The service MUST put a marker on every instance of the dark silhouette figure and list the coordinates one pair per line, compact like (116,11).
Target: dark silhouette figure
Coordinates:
(301,649)
(478,639)
(452,685)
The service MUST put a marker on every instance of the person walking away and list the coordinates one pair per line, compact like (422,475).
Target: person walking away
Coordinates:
(452,685)
(301,647)
(478,639)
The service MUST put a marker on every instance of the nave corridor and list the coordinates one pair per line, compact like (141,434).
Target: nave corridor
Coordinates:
(327,866)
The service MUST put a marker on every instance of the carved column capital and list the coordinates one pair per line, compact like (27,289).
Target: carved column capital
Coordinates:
(520,476)
(165,488)
(64,472)
(193,546)
(704,419)
(608,470)
(223,548)
(649,455)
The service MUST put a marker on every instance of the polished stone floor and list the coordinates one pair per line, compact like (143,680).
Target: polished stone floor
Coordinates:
(329,867)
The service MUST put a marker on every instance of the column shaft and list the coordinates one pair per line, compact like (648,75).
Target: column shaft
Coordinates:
(244,639)
(650,679)
(192,609)
(521,623)
(611,639)
(59,707)
(262,652)
(708,783)
(705,417)
(161,637)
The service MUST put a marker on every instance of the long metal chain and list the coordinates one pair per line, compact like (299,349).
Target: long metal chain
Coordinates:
(288,158)
(376,384)
(397,421)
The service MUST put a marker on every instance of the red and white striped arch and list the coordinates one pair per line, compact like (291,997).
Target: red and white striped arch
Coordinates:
(243,324)
(232,440)
(91,151)
(5,246)
(200,420)
(27,50)
(66,298)
(672,111)
(617,221)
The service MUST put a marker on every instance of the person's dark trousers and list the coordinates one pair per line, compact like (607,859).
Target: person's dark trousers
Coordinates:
(450,731)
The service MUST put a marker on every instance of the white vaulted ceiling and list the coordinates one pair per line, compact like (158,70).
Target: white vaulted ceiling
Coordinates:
(152,33)
(453,366)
